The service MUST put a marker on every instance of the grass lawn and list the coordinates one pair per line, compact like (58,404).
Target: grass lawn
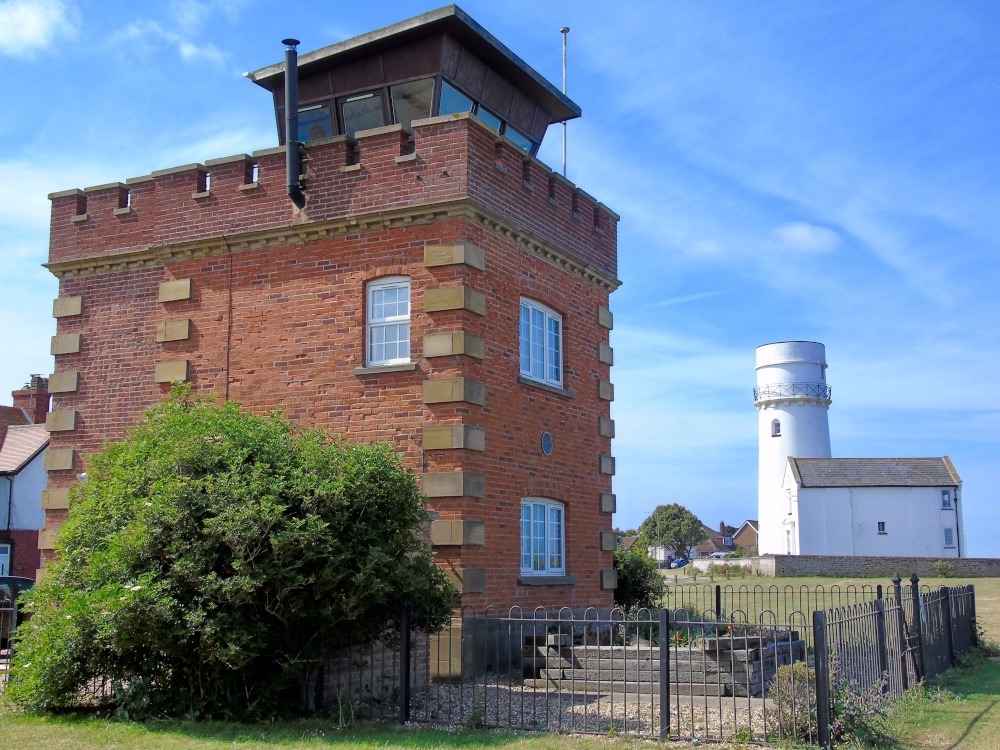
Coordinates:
(61,733)
(966,715)
(987,591)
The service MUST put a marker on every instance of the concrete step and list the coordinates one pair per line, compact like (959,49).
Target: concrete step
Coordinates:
(608,687)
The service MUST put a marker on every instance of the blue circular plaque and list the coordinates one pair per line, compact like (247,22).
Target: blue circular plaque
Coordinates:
(546,443)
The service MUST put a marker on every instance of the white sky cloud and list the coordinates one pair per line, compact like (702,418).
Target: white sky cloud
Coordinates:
(808,238)
(146,36)
(28,26)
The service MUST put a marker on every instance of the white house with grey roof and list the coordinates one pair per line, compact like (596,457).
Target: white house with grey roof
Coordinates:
(905,507)
(810,503)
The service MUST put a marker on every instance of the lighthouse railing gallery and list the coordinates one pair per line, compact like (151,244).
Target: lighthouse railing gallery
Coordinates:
(792,390)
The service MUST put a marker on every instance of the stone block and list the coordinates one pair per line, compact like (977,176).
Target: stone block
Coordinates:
(457,342)
(609,578)
(47,538)
(64,382)
(458,532)
(608,541)
(458,297)
(56,498)
(454,484)
(173,291)
(606,427)
(607,464)
(63,420)
(605,354)
(458,253)
(444,437)
(170,372)
(444,390)
(468,580)
(58,459)
(173,330)
(65,307)
(605,390)
(65,343)
(608,502)
(604,318)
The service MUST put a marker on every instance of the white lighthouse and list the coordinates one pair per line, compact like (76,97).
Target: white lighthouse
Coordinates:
(792,399)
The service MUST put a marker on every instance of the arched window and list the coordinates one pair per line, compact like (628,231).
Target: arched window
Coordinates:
(543,537)
(775,428)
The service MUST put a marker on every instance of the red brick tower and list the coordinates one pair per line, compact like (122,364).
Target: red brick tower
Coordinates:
(441,289)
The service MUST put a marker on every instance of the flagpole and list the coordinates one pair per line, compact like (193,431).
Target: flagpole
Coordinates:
(565,32)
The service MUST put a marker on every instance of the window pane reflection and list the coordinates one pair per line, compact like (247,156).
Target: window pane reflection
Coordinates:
(453,101)
(412,101)
(315,123)
(362,112)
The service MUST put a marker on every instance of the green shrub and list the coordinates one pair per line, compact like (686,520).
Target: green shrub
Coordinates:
(213,558)
(639,581)
(943,568)
(793,692)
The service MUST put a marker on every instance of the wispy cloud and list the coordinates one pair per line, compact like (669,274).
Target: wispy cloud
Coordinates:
(807,238)
(29,26)
(685,298)
(192,14)
(146,37)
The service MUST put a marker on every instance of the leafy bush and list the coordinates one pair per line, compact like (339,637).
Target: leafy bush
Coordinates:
(213,558)
(943,568)
(726,569)
(793,692)
(639,581)
(857,712)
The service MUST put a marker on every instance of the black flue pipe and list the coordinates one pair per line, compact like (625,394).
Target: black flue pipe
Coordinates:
(292,164)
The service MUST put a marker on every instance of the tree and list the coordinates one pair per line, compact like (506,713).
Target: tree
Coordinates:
(213,558)
(673,527)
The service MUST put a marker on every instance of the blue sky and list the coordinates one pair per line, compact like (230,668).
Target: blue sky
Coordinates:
(809,170)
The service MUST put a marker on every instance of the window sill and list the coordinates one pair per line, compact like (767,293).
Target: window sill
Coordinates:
(546,387)
(546,581)
(377,369)
(883,533)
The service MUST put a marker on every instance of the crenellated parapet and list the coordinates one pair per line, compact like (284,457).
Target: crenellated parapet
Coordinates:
(438,164)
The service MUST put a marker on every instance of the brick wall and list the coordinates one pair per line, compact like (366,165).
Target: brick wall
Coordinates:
(275,311)
(25,548)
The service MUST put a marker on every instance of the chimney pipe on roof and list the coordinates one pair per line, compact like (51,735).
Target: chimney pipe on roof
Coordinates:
(292,164)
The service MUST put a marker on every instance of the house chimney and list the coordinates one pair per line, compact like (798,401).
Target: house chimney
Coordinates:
(33,398)
(722,528)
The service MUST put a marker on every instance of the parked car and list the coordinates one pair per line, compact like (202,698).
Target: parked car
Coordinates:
(10,588)
(680,562)
(719,555)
